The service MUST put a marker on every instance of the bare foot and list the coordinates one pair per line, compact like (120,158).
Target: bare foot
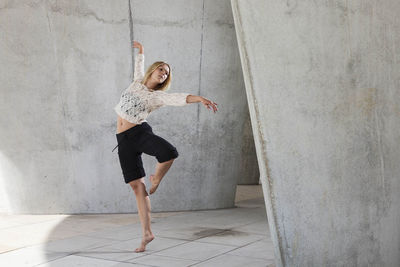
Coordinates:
(154,184)
(146,239)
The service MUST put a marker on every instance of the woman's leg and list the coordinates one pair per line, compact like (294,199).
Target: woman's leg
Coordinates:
(161,170)
(165,153)
(144,208)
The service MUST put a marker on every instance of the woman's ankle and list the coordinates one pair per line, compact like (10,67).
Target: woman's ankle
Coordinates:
(147,233)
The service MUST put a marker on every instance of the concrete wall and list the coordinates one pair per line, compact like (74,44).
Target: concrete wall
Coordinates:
(322,82)
(63,67)
(249,173)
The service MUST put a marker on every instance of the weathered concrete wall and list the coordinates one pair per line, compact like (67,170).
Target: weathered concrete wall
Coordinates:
(322,82)
(249,173)
(63,67)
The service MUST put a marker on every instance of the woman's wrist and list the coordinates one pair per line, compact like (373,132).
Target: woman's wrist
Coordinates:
(194,98)
(138,45)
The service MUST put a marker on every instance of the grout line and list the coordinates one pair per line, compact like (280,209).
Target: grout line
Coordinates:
(212,257)
(253,257)
(68,254)
(229,251)
(169,257)
(174,238)
(117,261)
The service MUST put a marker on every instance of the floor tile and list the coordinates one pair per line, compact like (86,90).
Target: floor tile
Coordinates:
(245,192)
(5,248)
(157,260)
(262,249)
(29,256)
(119,233)
(195,251)
(233,238)
(260,227)
(31,234)
(251,203)
(190,232)
(235,261)
(159,243)
(9,220)
(76,244)
(127,264)
(229,218)
(74,260)
(108,253)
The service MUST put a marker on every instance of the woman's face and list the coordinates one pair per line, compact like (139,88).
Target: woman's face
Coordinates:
(160,74)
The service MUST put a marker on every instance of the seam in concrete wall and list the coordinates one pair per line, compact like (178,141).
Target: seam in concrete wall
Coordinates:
(258,136)
(60,96)
(131,37)
(201,61)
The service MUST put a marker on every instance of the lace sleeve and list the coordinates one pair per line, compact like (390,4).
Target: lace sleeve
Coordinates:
(172,99)
(139,67)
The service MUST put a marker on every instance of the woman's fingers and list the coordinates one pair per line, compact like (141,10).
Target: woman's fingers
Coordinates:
(211,105)
(136,44)
(214,107)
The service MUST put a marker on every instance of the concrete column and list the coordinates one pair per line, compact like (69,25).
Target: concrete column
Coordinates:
(323,84)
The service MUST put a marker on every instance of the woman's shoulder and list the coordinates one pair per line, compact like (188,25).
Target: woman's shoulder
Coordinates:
(138,80)
(137,84)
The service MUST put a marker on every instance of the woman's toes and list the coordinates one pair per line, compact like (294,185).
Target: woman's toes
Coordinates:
(141,249)
(147,239)
(153,189)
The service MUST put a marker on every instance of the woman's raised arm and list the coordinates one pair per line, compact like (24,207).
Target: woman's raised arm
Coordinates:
(138,72)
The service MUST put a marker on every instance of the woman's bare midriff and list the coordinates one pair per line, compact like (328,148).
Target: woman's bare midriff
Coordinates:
(123,125)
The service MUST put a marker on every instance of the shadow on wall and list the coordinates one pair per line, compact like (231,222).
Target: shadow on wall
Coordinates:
(249,171)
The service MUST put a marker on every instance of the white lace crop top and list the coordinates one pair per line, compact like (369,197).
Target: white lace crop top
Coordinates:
(137,101)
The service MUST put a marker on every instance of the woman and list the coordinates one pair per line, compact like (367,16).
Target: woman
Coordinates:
(135,136)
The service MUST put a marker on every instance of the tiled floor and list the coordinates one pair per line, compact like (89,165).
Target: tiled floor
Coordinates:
(225,237)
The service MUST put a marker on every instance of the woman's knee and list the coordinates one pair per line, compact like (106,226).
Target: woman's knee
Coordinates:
(173,154)
(137,184)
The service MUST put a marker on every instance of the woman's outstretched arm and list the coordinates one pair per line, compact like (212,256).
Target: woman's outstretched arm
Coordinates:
(206,102)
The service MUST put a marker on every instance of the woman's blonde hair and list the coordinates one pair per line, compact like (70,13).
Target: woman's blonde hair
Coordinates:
(162,86)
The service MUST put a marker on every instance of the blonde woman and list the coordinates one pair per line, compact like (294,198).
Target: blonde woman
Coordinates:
(135,136)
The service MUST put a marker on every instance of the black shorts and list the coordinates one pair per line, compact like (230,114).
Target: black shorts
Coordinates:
(137,140)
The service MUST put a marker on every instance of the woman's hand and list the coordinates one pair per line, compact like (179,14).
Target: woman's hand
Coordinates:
(209,104)
(138,45)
